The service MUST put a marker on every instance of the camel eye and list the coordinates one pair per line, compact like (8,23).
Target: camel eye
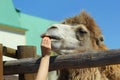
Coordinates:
(81,34)
(82,31)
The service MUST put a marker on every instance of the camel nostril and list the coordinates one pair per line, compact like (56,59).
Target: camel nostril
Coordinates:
(44,35)
(53,27)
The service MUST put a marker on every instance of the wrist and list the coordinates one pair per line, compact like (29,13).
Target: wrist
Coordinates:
(46,56)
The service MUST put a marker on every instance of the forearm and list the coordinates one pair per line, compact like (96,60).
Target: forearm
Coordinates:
(43,69)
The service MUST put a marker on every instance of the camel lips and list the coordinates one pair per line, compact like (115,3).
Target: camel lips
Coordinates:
(54,37)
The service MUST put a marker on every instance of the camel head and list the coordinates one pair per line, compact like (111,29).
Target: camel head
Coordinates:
(76,34)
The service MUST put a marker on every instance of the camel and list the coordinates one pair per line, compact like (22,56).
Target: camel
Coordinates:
(80,34)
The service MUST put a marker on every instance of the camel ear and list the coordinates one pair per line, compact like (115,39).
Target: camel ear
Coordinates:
(100,40)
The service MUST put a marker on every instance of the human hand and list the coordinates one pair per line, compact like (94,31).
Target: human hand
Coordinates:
(46,46)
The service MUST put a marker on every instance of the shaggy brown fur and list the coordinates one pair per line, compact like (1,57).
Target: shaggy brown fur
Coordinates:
(89,22)
(102,73)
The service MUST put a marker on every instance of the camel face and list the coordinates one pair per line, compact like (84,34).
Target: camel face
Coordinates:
(69,38)
(76,34)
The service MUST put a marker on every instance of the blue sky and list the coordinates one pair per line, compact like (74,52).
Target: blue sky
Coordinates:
(105,12)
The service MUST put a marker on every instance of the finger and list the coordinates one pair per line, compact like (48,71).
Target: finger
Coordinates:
(46,42)
(49,43)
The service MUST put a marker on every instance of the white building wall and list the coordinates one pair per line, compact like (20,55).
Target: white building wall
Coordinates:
(12,39)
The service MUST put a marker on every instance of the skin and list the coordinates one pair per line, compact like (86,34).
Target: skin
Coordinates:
(44,64)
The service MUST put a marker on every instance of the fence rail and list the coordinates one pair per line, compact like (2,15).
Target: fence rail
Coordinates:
(87,60)
(10,52)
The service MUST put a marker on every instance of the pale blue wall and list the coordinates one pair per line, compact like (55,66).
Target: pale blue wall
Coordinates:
(8,15)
